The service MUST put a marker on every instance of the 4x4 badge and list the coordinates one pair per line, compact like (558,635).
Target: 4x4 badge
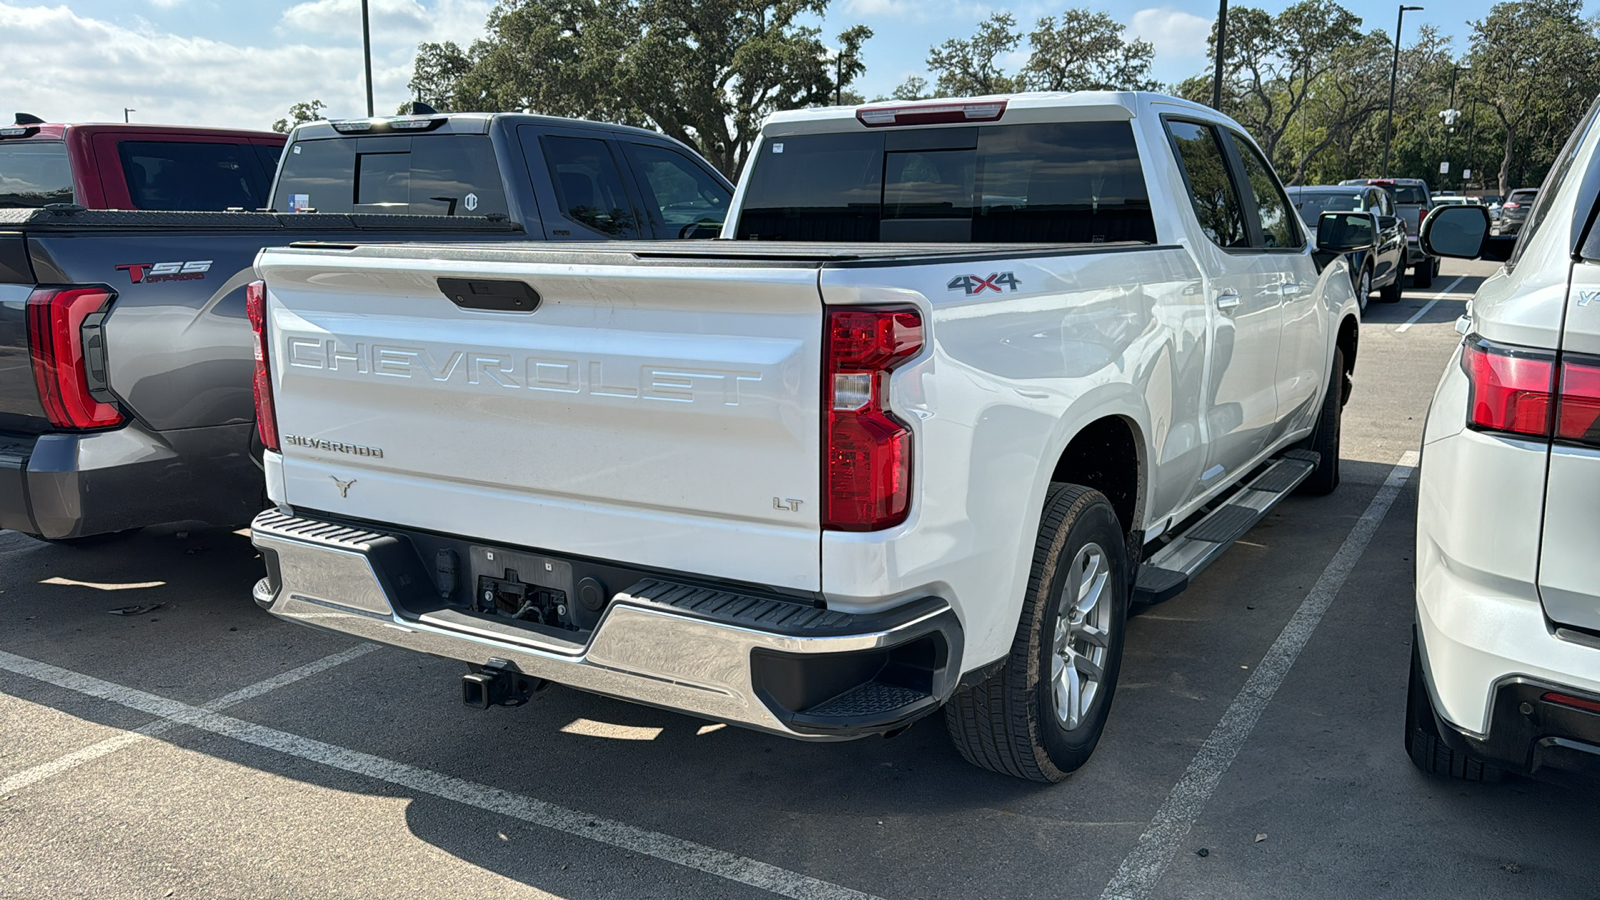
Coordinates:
(973,284)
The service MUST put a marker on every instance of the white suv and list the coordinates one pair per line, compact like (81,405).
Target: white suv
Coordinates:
(1505,671)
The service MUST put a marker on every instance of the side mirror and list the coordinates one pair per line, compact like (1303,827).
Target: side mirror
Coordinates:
(1458,231)
(1345,232)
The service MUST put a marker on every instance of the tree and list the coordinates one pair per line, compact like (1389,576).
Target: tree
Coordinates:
(706,73)
(1534,65)
(913,88)
(970,68)
(309,111)
(436,74)
(1085,51)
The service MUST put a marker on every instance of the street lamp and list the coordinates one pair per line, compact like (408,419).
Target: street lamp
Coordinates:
(1221,51)
(1394,74)
(1450,115)
(125,111)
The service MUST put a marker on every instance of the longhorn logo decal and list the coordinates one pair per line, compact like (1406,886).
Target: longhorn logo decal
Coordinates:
(344,486)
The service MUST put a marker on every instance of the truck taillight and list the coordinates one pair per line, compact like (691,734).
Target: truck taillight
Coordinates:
(55,342)
(867,470)
(255,306)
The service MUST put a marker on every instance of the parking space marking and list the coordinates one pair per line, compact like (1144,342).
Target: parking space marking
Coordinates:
(54,767)
(1142,867)
(1429,305)
(665,847)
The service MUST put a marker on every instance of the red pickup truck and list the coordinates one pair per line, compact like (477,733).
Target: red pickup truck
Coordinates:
(158,167)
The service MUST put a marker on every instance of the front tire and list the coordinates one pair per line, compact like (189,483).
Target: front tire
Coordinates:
(1041,715)
(1364,287)
(1324,437)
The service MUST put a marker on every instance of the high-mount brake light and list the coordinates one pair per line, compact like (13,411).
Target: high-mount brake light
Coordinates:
(18,131)
(255,307)
(411,124)
(55,343)
(1511,205)
(931,113)
(352,126)
(867,469)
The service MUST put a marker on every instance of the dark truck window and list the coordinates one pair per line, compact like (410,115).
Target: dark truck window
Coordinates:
(424,175)
(1278,230)
(589,185)
(34,173)
(1211,187)
(683,197)
(193,176)
(1070,182)
(1314,203)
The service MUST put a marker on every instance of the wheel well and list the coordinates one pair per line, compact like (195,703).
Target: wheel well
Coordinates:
(1347,340)
(1105,456)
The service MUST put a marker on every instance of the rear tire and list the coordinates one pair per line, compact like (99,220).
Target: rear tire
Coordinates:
(1390,293)
(1422,274)
(1040,716)
(89,542)
(1427,749)
(1324,437)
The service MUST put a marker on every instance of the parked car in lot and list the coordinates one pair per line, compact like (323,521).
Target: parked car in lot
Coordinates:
(1514,212)
(1412,202)
(858,461)
(1505,672)
(125,392)
(135,166)
(1380,268)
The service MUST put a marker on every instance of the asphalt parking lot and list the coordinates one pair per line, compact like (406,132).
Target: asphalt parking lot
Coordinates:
(196,747)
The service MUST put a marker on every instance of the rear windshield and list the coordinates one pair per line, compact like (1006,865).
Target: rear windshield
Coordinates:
(1522,196)
(422,175)
(196,176)
(1077,182)
(1312,204)
(34,173)
(1408,193)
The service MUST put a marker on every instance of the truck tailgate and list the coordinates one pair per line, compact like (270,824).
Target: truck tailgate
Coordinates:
(663,415)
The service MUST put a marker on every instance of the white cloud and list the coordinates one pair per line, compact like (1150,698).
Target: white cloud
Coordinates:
(178,79)
(1175,34)
(406,21)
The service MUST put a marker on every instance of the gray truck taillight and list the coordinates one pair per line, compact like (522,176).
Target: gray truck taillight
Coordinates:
(61,368)
(255,306)
(867,468)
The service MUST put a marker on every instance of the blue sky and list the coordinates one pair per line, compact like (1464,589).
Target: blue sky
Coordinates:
(243,62)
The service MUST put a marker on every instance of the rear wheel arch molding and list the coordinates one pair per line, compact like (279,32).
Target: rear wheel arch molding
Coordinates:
(1108,452)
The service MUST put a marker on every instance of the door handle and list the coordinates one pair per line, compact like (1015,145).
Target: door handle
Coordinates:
(1291,288)
(1228,301)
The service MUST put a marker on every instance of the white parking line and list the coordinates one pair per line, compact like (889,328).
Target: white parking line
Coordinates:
(1142,867)
(54,767)
(490,799)
(1429,305)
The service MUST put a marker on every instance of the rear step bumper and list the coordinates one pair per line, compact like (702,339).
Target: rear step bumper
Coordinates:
(738,657)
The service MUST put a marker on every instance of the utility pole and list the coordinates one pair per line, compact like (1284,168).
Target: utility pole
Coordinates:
(366,47)
(125,112)
(1221,52)
(838,80)
(1472,142)
(1450,115)
(1394,74)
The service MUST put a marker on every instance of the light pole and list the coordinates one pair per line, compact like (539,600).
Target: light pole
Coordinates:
(1394,74)
(1472,143)
(366,48)
(1449,115)
(125,111)
(1221,52)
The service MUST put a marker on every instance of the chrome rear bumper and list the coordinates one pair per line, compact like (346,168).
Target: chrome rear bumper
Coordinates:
(760,662)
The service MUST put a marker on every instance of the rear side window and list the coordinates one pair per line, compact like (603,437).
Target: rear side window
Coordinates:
(1211,187)
(588,185)
(680,195)
(1073,182)
(34,173)
(194,176)
(1278,230)
(425,175)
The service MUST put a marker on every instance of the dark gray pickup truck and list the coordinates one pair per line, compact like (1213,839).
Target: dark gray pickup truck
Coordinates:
(125,352)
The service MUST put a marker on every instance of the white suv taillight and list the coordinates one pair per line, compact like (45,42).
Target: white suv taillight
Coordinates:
(255,306)
(1513,390)
(867,469)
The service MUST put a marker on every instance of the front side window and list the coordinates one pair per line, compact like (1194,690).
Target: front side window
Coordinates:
(1278,230)
(34,173)
(194,176)
(1211,187)
(1067,182)
(685,198)
(589,186)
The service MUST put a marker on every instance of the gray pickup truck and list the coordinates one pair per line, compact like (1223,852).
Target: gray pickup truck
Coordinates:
(125,351)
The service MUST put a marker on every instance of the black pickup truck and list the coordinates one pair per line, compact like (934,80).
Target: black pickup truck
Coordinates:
(125,351)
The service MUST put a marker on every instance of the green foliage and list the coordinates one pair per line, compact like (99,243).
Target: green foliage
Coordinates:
(309,111)
(1077,51)
(706,73)
(970,67)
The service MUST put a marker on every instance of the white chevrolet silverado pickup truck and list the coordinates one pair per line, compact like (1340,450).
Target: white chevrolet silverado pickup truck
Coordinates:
(960,381)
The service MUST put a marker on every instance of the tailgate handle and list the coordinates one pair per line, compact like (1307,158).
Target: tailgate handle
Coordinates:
(490,295)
